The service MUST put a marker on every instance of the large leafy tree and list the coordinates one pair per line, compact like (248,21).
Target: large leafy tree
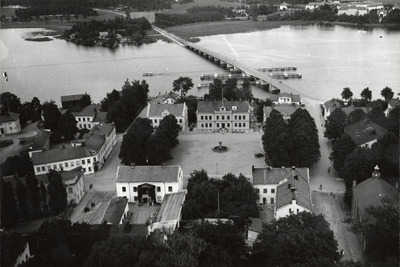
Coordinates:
(10,103)
(109,100)
(246,90)
(37,109)
(275,140)
(17,165)
(304,143)
(378,116)
(67,126)
(51,115)
(294,240)
(340,149)
(117,115)
(385,153)
(215,90)
(393,120)
(133,148)
(182,84)
(358,166)
(22,197)
(335,124)
(387,93)
(9,212)
(366,94)
(57,192)
(347,93)
(33,194)
(355,116)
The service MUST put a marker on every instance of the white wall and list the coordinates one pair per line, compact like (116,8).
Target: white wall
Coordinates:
(130,194)
(285,211)
(267,195)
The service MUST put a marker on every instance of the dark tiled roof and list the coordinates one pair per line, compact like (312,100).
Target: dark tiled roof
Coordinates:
(65,176)
(256,225)
(90,110)
(11,116)
(158,109)
(12,245)
(211,106)
(284,109)
(171,207)
(66,98)
(275,175)
(350,109)
(100,117)
(364,131)
(284,194)
(394,102)
(95,139)
(333,103)
(165,174)
(370,192)
(115,210)
(40,140)
(56,155)
(294,98)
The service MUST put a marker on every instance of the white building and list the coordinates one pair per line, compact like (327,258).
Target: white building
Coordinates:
(156,112)
(330,106)
(313,5)
(167,98)
(232,116)
(9,123)
(286,189)
(148,184)
(285,98)
(284,6)
(285,109)
(90,116)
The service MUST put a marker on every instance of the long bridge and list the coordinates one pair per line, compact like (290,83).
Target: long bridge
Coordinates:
(229,63)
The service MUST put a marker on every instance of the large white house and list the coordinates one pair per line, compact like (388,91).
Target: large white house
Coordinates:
(90,116)
(232,116)
(285,98)
(9,123)
(286,189)
(156,112)
(148,184)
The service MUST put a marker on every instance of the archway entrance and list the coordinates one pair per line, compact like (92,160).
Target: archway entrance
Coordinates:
(146,193)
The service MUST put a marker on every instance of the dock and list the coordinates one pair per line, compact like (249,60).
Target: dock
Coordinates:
(277,69)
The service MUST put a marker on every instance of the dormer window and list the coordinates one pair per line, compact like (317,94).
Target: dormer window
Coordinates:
(165,113)
(222,108)
(234,107)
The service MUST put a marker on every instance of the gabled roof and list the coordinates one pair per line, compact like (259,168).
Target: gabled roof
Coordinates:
(11,116)
(394,102)
(272,176)
(39,141)
(90,110)
(301,193)
(100,117)
(65,176)
(371,191)
(56,155)
(170,109)
(351,108)
(256,225)
(115,210)
(164,174)
(171,207)
(95,139)
(333,103)
(294,98)
(364,131)
(12,245)
(66,98)
(211,106)
(284,109)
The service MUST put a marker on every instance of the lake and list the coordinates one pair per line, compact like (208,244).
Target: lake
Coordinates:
(329,58)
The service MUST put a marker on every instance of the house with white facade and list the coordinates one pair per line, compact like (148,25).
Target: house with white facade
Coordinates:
(148,184)
(285,98)
(89,117)
(330,106)
(286,189)
(156,112)
(73,182)
(284,6)
(117,211)
(9,123)
(100,142)
(167,98)
(63,159)
(365,132)
(285,109)
(231,116)
(15,249)
(313,5)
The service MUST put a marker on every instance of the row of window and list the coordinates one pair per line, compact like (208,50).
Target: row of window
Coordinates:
(158,189)
(83,119)
(65,165)
(228,125)
(228,117)
(265,190)
(159,120)
(81,126)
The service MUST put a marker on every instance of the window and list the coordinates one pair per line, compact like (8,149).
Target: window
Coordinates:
(72,164)
(79,119)
(265,190)
(60,166)
(272,200)
(123,189)
(244,117)
(94,159)
(38,169)
(202,125)
(180,120)
(290,211)
(88,160)
(228,117)
(78,163)
(158,189)
(134,189)
(235,117)
(54,166)
(244,124)
(83,119)
(210,117)
(69,190)
(297,210)
(201,117)
(135,199)
(257,191)
(83,161)
(273,190)
(217,125)
(240,124)
(66,164)
(235,124)
(217,117)
(240,117)
(228,125)
(89,169)
(169,188)
(43,169)
(84,169)
(48,168)
(223,117)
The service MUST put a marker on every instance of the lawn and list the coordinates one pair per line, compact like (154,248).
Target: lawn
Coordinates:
(194,152)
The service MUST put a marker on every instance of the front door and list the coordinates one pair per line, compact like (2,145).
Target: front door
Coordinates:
(223,125)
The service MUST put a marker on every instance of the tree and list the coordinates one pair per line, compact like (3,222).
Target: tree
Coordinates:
(387,93)
(246,88)
(347,93)
(366,94)
(57,192)
(335,124)
(43,192)
(357,166)
(355,116)
(275,140)
(385,153)
(51,115)
(109,100)
(304,143)
(230,90)
(117,115)
(37,109)
(307,234)
(11,103)
(67,126)
(378,116)
(393,120)
(9,212)
(133,148)
(22,198)
(85,101)
(215,90)
(33,194)
(25,113)
(17,165)
(182,84)
(340,149)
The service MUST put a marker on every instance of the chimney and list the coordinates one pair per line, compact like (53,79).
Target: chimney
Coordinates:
(293,168)
(282,169)
(376,173)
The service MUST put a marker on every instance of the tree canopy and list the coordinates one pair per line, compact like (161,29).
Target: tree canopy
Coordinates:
(366,94)
(182,84)
(347,93)
(335,124)
(387,93)
(67,126)
(295,239)
(109,100)
(340,149)
(51,115)
(57,192)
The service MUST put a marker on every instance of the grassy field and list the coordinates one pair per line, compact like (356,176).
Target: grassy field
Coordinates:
(178,8)
(227,27)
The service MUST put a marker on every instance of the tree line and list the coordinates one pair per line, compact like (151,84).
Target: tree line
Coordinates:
(229,90)
(28,111)
(168,20)
(291,144)
(45,10)
(142,145)
(227,11)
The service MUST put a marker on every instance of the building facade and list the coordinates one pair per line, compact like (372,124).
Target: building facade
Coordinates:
(9,123)
(156,112)
(89,117)
(285,98)
(365,132)
(285,109)
(229,116)
(148,184)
